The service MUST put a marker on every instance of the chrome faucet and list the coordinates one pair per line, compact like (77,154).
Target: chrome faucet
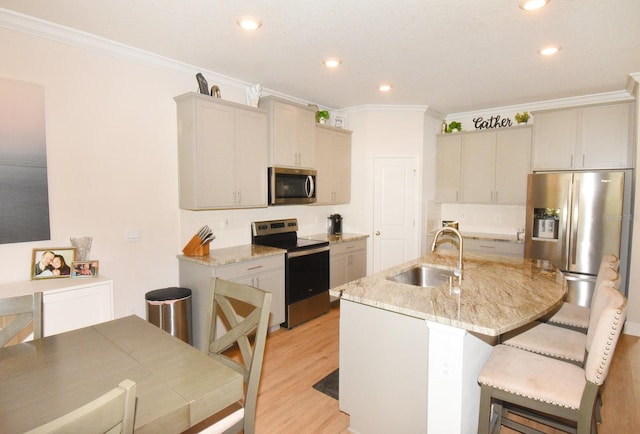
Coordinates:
(457,272)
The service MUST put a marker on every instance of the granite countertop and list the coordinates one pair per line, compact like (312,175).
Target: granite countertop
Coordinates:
(498,293)
(230,255)
(334,239)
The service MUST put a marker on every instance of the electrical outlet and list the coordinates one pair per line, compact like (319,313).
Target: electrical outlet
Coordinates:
(132,234)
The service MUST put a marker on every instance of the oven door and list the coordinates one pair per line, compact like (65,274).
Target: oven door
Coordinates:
(307,274)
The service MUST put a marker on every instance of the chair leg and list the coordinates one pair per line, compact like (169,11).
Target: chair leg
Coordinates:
(498,413)
(485,413)
(598,407)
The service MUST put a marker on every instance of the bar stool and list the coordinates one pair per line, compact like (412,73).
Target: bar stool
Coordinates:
(576,317)
(548,390)
(559,342)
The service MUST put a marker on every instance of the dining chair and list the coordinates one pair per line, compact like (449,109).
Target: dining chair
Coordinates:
(111,413)
(550,391)
(244,312)
(19,312)
(574,316)
(560,342)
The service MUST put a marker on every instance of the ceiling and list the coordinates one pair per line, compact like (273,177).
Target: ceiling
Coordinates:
(452,55)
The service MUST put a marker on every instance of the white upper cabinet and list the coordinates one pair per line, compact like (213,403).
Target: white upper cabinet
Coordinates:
(333,163)
(222,153)
(448,152)
(291,133)
(484,166)
(478,167)
(513,164)
(495,165)
(597,137)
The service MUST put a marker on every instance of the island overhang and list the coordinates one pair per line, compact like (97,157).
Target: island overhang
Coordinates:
(497,293)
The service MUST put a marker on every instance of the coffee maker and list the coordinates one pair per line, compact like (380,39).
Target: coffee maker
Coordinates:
(334,224)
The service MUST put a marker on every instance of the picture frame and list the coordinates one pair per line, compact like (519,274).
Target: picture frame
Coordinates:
(52,262)
(84,269)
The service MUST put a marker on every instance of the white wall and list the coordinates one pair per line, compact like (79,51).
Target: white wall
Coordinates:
(112,165)
(379,131)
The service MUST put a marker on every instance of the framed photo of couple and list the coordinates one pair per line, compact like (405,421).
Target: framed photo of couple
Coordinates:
(51,263)
(84,269)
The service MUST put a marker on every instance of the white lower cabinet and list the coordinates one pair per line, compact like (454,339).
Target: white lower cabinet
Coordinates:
(479,245)
(266,273)
(348,261)
(81,304)
(494,247)
(68,304)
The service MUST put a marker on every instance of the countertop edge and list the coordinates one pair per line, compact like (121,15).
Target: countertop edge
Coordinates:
(335,239)
(232,255)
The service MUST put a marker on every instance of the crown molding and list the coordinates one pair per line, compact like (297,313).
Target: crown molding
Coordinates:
(76,38)
(632,83)
(600,98)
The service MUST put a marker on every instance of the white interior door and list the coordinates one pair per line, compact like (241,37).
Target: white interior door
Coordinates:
(394,208)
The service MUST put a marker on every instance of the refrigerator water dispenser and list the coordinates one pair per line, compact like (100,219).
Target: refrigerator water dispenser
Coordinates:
(545,224)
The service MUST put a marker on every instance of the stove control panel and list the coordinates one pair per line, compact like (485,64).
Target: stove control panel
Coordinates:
(270,227)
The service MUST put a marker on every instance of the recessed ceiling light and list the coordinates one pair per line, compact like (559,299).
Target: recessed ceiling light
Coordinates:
(532,5)
(549,51)
(249,23)
(332,62)
(385,87)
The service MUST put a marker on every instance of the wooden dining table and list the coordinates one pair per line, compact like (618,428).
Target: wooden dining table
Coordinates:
(177,385)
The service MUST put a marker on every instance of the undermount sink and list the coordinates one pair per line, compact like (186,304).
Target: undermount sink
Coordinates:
(424,275)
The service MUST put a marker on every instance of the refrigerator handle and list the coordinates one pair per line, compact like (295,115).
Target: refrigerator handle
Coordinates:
(576,221)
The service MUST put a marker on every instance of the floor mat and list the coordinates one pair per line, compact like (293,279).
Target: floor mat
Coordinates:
(329,385)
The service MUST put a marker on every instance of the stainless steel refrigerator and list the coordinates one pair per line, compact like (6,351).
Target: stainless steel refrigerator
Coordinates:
(573,219)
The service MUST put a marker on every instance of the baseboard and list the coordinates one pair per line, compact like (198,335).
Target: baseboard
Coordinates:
(631,328)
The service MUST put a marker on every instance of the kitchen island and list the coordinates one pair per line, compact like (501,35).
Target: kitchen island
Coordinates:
(410,356)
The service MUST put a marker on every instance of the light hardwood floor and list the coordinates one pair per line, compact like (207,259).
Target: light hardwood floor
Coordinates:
(296,359)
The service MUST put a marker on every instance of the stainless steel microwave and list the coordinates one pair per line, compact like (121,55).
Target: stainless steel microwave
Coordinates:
(290,186)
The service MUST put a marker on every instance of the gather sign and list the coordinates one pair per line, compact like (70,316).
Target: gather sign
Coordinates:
(493,122)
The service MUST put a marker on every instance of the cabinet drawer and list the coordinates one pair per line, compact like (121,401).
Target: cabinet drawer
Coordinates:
(348,246)
(495,247)
(246,268)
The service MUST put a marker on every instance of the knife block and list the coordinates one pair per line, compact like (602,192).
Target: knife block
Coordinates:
(195,248)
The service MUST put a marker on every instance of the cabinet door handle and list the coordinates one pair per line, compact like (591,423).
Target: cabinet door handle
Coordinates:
(496,197)
(239,198)
(257,267)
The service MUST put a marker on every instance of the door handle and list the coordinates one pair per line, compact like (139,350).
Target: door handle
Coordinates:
(378,233)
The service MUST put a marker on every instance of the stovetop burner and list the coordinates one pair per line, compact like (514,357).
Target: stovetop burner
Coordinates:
(282,234)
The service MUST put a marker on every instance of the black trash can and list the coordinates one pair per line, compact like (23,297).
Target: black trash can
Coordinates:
(170,309)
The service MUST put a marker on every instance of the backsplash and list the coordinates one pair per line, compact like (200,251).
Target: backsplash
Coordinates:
(490,219)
